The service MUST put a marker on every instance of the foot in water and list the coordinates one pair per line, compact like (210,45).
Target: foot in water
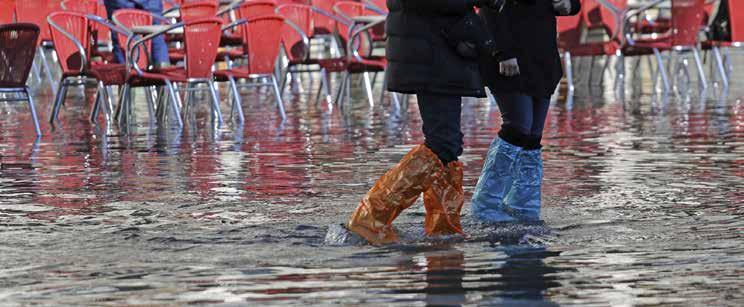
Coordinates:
(338,234)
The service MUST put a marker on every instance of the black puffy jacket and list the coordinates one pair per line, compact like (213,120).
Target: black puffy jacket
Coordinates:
(526,29)
(419,58)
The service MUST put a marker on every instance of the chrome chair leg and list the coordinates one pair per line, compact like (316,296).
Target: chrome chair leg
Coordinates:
(215,103)
(720,67)
(61,93)
(279,102)
(33,111)
(174,103)
(701,71)
(662,70)
(237,102)
(368,89)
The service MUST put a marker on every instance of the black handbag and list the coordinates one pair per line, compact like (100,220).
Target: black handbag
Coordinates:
(469,36)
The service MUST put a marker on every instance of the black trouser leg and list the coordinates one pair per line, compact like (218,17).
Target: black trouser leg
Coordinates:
(523,118)
(441,124)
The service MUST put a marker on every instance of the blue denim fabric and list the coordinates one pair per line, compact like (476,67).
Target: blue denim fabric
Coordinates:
(523,201)
(495,182)
(159,52)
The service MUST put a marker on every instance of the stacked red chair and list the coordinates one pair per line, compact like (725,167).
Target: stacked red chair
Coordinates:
(263,51)
(17,50)
(7,11)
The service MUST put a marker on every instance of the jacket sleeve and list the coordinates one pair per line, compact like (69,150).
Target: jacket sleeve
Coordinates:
(575,8)
(440,7)
(499,22)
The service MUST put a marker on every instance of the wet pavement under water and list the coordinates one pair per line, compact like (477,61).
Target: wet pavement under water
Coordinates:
(643,205)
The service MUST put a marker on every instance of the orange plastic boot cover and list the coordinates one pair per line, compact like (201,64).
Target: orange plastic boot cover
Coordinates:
(395,191)
(443,202)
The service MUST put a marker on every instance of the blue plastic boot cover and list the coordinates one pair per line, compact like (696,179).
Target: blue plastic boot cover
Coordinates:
(523,201)
(495,181)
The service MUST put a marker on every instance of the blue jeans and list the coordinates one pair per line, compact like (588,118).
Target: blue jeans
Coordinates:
(523,114)
(159,51)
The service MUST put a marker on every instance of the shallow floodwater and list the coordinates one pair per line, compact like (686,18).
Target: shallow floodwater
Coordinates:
(643,205)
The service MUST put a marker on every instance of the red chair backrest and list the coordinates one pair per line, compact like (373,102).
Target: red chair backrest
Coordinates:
(590,11)
(687,18)
(76,24)
(347,10)
(569,30)
(610,20)
(263,50)
(169,4)
(736,12)
(198,10)
(302,16)
(283,2)
(7,11)
(129,18)
(252,8)
(323,23)
(201,38)
(18,43)
(81,6)
(36,12)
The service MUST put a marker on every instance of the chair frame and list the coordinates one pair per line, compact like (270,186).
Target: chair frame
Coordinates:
(24,91)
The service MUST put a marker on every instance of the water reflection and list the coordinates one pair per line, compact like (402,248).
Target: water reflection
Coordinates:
(643,192)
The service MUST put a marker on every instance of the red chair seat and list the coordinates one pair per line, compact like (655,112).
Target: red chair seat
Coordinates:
(109,74)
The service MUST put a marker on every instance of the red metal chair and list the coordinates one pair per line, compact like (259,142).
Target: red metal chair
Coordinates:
(81,6)
(201,40)
(197,10)
(101,35)
(358,41)
(243,10)
(687,18)
(263,51)
(17,50)
(36,12)
(71,37)
(736,27)
(296,39)
(321,23)
(7,11)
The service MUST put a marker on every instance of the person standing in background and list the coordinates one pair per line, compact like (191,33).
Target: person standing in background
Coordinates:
(159,51)
(522,79)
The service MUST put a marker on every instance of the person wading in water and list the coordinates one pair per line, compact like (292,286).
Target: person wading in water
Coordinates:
(522,79)
(432,50)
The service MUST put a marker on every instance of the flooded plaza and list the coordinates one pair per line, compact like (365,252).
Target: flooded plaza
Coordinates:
(643,204)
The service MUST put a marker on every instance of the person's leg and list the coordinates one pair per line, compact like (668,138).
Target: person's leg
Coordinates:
(159,47)
(444,199)
(399,188)
(498,173)
(440,115)
(111,7)
(524,200)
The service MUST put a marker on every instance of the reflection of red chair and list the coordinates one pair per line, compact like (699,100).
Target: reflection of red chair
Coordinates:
(7,11)
(263,51)
(17,50)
